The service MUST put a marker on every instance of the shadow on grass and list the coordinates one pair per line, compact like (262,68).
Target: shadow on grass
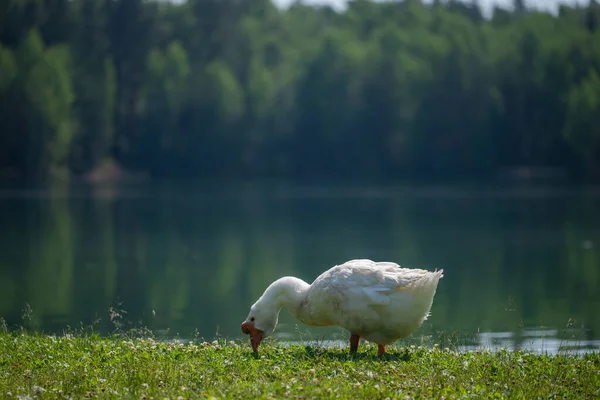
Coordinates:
(367,354)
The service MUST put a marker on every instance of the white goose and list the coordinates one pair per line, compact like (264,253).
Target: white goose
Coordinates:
(378,301)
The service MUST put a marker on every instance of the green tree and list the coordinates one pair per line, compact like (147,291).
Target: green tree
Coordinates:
(9,139)
(94,79)
(328,98)
(582,128)
(45,126)
(451,130)
(164,93)
(209,122)
(131,33)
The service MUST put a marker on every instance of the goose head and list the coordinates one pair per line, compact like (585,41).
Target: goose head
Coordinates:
(260,323)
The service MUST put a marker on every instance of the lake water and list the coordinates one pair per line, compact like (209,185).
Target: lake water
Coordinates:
(522,263)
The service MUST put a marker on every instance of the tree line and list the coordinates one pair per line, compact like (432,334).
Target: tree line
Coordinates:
(235,88)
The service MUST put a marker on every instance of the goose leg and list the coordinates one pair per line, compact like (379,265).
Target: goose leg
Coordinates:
(380,349)
(354,339)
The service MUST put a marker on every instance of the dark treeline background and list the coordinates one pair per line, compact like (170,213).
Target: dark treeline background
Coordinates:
(238,88)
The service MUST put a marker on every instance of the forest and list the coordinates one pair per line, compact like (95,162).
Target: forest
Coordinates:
(239,89)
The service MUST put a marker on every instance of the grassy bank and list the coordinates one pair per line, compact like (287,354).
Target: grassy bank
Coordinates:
(52,367)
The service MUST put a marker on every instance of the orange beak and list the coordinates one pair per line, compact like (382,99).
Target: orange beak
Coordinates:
(256,335)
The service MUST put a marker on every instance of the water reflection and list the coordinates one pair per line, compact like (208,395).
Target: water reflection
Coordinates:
(537,342)
(182,258)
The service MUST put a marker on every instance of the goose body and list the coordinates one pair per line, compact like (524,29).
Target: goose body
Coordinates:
(378,301)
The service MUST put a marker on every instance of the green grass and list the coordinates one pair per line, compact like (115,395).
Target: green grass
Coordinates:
(66,366)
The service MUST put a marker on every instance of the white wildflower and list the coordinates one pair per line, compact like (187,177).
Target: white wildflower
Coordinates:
(37,389)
